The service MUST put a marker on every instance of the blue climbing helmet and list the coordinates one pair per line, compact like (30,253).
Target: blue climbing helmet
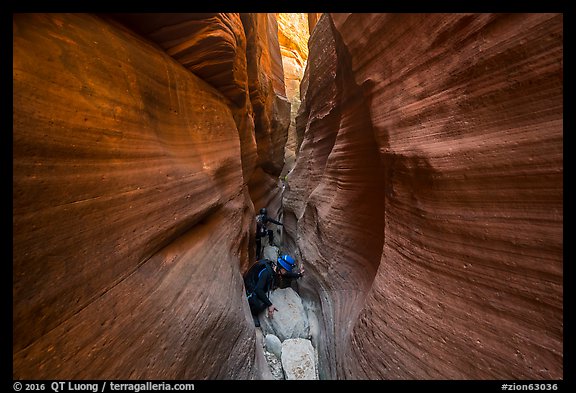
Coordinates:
(287,262)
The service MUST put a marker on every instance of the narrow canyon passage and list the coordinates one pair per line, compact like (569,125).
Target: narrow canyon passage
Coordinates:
(415,160)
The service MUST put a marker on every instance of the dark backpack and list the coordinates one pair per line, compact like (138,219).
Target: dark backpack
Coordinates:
(254,273)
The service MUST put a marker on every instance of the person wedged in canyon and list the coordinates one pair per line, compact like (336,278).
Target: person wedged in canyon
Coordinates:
(262,230)
(260,278)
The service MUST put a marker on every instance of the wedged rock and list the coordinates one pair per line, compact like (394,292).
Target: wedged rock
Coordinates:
(298,359)
(290,321)
(273,344)
(270,252)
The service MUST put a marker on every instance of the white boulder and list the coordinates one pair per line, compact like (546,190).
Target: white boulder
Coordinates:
(290,321)
(298,359)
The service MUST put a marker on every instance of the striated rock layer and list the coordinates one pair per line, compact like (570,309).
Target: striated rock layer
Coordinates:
(267,90)
(426,200)
(238,54)
(213,47)
(271,110)
(313,20)
(131,215)
(425,204)
(293,38)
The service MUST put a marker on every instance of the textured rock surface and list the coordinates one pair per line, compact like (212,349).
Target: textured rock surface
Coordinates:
(426,201)
(290,324)
(293,38)
(213,47)
(131,217)
(270,366)
(267,91)
(313,20)
(273,354)
(274,365)
(290,321)
(240,56)
(298,359)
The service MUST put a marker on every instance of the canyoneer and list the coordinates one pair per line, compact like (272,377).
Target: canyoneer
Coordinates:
(262,230)
(259,280)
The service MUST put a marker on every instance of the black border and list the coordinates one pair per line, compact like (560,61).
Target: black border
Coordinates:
(398,6)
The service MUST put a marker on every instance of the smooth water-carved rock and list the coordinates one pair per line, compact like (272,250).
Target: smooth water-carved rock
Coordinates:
(267,90)
(336,193)
(426,200)
(239,55)
(130,213)
(293,38)
(212,47)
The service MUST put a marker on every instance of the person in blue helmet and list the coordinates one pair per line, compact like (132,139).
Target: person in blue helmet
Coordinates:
(286,271)
(261,278)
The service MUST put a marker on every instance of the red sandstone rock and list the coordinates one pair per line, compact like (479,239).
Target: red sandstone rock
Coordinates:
(313,20)
(293,38)
(130,214)
(246,70)
(427,197)
(426,202)
(213,47)
(267,91)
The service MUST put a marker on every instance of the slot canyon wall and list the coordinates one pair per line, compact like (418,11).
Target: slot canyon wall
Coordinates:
(425,201)
(426,198)
(141,145)
(293,34)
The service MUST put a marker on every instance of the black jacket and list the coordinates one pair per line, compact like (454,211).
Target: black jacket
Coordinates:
(259,279)
(261,221)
